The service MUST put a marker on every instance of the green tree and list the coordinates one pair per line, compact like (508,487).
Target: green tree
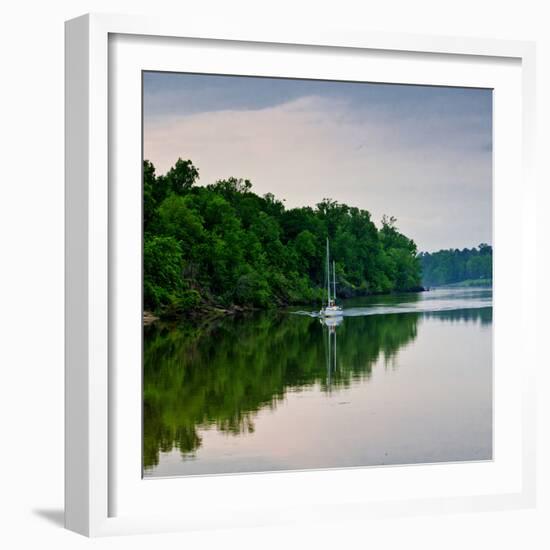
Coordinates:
(235,248)
(181,177)
(457,266)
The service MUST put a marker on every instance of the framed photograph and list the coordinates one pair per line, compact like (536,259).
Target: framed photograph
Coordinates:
(293,292)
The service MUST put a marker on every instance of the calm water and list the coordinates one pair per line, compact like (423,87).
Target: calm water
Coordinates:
(400,380)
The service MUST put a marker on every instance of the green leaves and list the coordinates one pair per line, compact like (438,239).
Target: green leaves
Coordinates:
(223,245)
(162,271)
(181,177)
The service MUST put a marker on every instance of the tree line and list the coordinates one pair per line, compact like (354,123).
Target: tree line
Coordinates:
(223,245)
(466,266)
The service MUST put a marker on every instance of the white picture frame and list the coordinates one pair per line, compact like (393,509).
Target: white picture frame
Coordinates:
(104,491)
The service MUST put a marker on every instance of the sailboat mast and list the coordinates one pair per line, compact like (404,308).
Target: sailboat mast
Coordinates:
(334,279)
(328,276)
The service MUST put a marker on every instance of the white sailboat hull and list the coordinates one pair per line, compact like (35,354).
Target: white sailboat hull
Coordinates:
(333,311)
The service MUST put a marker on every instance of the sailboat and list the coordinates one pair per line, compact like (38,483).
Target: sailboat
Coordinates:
(331,309)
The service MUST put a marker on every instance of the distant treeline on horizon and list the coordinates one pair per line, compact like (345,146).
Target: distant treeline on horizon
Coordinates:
(221,245)
(453,266)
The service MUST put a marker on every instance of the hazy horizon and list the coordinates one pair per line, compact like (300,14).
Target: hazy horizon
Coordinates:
(422,154)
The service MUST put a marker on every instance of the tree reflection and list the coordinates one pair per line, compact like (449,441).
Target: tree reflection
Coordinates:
(220,374)
(483,316)
(331,324)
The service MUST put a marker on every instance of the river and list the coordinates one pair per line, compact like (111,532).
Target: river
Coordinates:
(400,379)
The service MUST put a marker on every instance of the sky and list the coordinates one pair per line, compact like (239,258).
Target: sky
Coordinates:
(422,154)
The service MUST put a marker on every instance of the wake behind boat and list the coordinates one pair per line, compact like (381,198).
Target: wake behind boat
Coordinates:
(331,309)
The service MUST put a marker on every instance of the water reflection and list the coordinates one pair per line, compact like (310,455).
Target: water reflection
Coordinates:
(330,324)
(483,316)
(219,375)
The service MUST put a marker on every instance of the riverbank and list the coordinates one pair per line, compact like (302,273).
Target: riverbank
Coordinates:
(208,312)
(203,313)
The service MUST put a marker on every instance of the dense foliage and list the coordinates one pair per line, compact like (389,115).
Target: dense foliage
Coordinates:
(223,245)
(445,267)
